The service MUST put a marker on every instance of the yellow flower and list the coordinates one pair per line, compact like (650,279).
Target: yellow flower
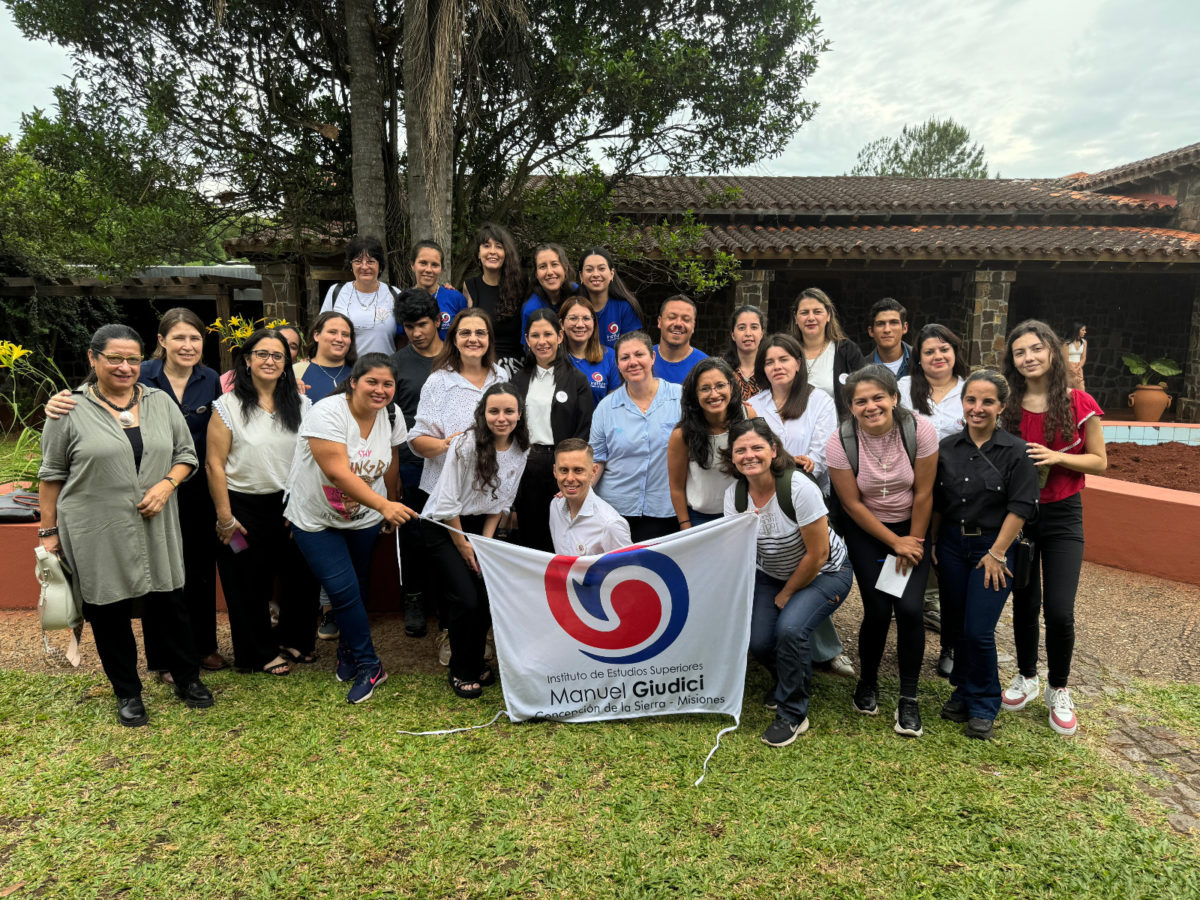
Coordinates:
(10,353)
(276,323)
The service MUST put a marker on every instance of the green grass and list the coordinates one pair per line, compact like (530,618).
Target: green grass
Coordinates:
(284,790)
(1175,706)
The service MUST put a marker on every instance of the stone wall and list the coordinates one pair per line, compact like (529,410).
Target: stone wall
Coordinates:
(1187,407)
(1150,315)
(1184,188)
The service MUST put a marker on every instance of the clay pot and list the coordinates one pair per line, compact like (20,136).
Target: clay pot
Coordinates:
(1149,402)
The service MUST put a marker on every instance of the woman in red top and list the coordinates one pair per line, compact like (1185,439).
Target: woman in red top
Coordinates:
(1062,429)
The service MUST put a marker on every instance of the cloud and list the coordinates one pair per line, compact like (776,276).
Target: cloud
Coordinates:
(29,70)
(1047,88)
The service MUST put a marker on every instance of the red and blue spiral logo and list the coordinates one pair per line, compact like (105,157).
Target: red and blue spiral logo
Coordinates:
(631,603)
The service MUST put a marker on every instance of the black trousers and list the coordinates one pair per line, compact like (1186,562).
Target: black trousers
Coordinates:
(467,613)
(167,613)
(647,528)
(867,555)
(532,506)
(249,582)
(1057,535)
(196,520)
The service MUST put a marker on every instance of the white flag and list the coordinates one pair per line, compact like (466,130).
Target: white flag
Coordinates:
(652,629)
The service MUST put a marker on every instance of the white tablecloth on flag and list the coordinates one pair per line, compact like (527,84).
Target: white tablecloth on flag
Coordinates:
(655,629)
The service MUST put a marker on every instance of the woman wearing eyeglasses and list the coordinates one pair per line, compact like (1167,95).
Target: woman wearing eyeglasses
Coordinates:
(366,301)
(109,474)
(251,442)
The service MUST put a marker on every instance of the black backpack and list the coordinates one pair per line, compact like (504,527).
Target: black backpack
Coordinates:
(848,433)
(783,491)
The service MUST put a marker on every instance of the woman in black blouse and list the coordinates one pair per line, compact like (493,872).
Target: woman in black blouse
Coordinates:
(499,290)
(986,489)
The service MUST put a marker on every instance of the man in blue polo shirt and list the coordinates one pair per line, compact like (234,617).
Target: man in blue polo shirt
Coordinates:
(674,355)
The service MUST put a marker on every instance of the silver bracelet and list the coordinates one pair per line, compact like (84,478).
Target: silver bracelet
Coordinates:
(999,559)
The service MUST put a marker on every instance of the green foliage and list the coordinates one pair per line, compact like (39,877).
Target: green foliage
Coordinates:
(27,386)
(935,149)
(284,790)
(1161,366)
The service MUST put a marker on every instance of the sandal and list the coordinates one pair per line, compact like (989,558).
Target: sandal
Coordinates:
(464,688)
(277,666)
(297,657)
(487,677)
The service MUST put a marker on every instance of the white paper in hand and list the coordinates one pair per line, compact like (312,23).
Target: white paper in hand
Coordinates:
(890,581)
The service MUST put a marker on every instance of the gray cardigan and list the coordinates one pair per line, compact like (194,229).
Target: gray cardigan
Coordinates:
(116,554)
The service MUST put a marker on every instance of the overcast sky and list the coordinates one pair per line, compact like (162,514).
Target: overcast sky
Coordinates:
(1049,87)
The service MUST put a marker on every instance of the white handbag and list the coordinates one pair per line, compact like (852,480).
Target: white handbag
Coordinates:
(57,606)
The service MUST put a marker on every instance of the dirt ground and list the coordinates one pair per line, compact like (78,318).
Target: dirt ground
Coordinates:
(1171,465)
(1135,624)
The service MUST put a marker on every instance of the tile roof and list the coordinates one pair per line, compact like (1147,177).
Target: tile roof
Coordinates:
(1035,242)
(1143,168)
(283,239)
(862,195)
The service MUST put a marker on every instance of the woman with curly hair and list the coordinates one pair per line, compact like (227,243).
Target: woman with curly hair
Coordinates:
(499,290)
(1062,428)
(479,482)
(710,403)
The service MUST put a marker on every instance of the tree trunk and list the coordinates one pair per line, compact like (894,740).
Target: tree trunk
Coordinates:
(366,123)
(432,34)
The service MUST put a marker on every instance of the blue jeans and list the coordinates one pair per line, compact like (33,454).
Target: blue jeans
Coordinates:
(779,638)
(976,674)
(341,560)
(698,518)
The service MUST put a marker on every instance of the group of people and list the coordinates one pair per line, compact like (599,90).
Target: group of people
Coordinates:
(546,412)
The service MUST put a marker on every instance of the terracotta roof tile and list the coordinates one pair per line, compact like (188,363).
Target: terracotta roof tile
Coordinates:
(862,195)
(1052,242)
(1143,168)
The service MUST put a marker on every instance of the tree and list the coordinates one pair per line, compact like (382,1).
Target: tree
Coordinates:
(936,149)
(264,99)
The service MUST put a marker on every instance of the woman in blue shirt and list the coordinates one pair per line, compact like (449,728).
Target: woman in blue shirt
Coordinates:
(552,282)
(617,309)
(332,355)
(597,362)
(426,264)
(630,431)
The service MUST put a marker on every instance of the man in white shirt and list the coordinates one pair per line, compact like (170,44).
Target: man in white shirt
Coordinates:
(581,522)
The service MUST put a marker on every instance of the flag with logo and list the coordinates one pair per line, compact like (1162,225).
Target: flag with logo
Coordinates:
(652,629)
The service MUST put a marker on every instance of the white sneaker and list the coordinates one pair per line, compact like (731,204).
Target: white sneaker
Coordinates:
(1062,711)
(443,645)
(1018,694)
(841,665)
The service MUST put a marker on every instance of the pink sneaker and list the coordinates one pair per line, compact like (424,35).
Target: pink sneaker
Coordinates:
(1062,711)
(1018,694)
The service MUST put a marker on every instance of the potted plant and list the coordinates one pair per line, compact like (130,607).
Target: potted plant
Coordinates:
(1150,401)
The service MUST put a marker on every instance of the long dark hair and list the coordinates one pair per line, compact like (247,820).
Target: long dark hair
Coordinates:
(780,464)
(319,326)
(617,287)
(487,468)
(919,388)
(512,282)
(692,422)
(113,332)
(450,357)
(731,355)
(1059,419)
(801,390)
(1076,327)
(568,273)
(544,314)
(286,393)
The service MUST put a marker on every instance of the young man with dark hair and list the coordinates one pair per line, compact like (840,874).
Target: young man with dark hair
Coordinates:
(674,355)
(420,316)
(889,324)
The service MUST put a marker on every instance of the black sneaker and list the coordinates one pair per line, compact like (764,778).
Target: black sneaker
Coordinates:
(414,617)
(945,663)
(347,668)
(328,629)
(908,718)
(195,694)
(781,732)
(866,699)
(365,683)
(954,711)
(769,700)
(131,712)
(980,729)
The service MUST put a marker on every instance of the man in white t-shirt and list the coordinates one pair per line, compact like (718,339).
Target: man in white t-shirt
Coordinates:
(889,324)
(581,522)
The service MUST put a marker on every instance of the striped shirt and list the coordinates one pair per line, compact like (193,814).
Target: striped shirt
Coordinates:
(780,541)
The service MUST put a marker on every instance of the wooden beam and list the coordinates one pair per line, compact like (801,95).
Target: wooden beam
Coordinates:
(224,311)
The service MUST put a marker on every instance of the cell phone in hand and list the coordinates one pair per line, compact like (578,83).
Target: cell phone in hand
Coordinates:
(237,543)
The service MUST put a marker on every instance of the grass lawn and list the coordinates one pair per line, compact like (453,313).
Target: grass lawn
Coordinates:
(284,790)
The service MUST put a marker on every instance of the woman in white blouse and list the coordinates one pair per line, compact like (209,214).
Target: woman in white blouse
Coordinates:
(460,374)
(251,441)
(366,301)
(934,389)
(478,483)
